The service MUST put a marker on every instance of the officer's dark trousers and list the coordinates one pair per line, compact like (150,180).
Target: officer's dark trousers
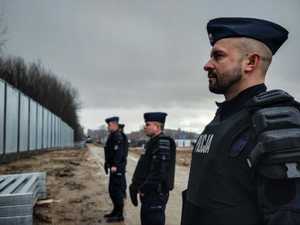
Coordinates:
(116,191)
(153,208)
(124,184)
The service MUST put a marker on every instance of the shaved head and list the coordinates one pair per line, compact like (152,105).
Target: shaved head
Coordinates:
(248,46)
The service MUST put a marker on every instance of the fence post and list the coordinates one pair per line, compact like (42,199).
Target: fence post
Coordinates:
(4,119)
(19,112)
(42,135)
(2,88)
(36,126)
(28,136)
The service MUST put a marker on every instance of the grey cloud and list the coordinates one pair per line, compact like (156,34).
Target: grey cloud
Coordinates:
(128,54)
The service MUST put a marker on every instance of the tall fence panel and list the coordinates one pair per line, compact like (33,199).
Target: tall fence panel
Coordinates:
(49,130)
(33,125)
(24,123)
(12,109)
(45,128)
(52,131)
(57,132)
(2,95)
(39,126)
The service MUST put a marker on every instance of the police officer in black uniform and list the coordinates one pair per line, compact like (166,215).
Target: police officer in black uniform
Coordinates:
(115,162)
(124,183)
(245,164)
(154,175)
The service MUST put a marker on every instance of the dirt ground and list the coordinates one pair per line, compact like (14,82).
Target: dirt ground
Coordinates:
(72,182)
(76,186)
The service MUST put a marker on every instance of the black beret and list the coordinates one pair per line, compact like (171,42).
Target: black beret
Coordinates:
(112,119)
(155,116)
(269,33)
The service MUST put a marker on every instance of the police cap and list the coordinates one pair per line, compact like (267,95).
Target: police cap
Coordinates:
(269,33)
(155,117)
(112,119)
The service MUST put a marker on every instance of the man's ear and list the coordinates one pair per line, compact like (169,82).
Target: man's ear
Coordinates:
(252,62)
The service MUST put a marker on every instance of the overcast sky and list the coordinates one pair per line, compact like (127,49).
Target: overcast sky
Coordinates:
(127,57)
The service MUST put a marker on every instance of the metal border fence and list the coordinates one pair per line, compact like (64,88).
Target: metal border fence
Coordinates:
(26,126)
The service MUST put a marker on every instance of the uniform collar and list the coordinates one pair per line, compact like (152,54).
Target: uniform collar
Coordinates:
(156,136)
(234,105)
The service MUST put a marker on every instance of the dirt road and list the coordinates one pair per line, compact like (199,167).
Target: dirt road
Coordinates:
(77,188)
(173,212)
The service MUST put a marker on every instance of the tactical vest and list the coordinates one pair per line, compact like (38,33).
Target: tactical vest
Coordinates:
(144,164)
(217,180)
(222,188)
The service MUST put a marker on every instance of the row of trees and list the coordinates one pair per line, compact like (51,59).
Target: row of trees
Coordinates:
(41,85)
(44,87)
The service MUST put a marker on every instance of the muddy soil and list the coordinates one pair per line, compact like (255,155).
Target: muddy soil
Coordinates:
(75,188)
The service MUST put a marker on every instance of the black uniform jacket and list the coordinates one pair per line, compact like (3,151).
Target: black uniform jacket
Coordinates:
(116,150)
(222,188)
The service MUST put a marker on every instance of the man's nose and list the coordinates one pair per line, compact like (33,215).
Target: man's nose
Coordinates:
(208,66)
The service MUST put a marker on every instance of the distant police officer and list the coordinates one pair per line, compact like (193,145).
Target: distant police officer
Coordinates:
(154,175)
(245,164)
(124,183)
(115,161)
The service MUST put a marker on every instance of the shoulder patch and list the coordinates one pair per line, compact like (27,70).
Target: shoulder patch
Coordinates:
(164,143)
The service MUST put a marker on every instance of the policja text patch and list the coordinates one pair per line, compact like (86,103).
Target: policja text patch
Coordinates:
(203,143)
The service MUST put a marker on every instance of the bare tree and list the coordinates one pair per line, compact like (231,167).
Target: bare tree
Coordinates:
(44,87)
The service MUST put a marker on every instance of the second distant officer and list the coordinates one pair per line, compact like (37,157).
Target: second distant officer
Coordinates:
(115,162)
(154,175)
(121,129)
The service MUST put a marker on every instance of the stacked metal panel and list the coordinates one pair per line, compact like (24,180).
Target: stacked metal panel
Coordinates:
(18,194)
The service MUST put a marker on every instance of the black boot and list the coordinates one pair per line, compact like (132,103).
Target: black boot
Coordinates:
(117,217)
(111,214)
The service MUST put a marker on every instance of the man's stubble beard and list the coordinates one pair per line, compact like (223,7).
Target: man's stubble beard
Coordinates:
(221,86)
